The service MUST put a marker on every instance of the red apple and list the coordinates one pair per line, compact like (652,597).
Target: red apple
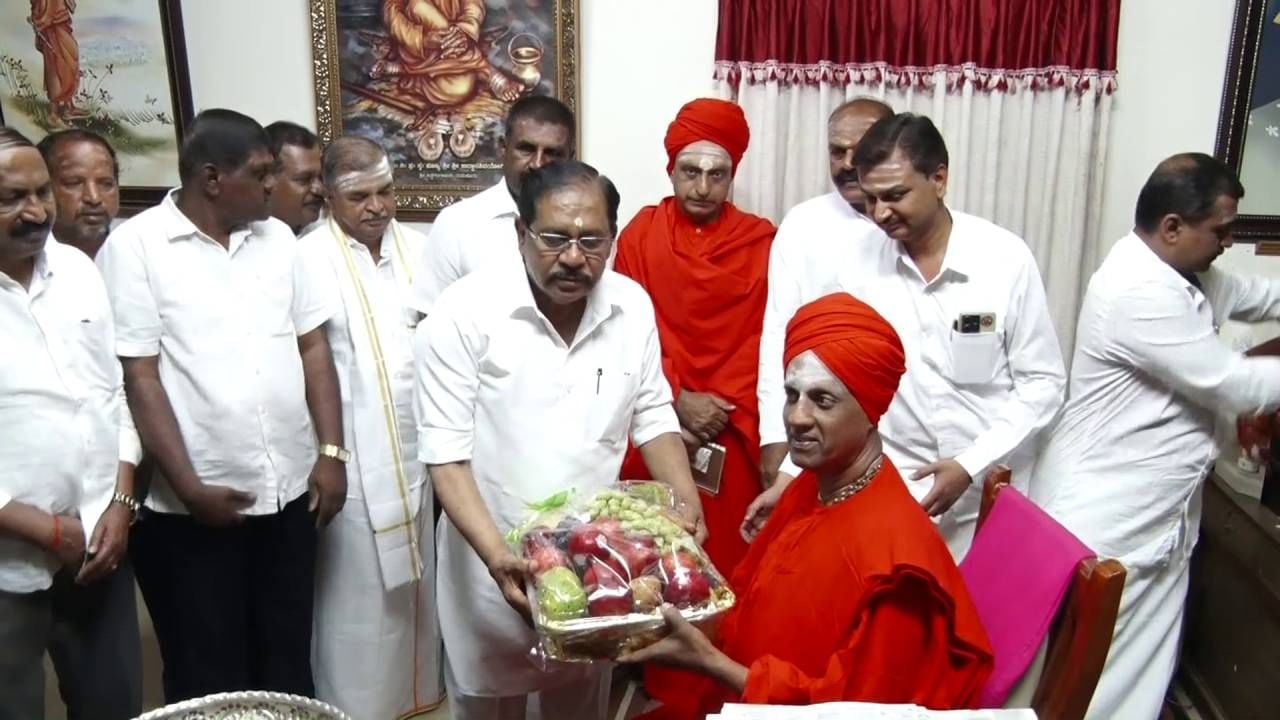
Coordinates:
(538,537)
(546,557)
(671,562)
(685,583)
(687,588)
(603,540)
(607,591)
(638,556)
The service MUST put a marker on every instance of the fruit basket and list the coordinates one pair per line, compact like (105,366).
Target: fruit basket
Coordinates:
(604,566)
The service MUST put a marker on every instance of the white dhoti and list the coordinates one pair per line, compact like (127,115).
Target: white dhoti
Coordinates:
(1144,649)
(376,653)
(376,647)
(1157,562)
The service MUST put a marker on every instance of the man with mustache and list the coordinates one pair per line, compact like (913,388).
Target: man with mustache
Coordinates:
(1125,467)
(531,379)
(984,371)
(95,647)
(817,240)
(297,198)
(66,465)
(703,262)
(229,371)
(481,229)
(86,187)
(376,642)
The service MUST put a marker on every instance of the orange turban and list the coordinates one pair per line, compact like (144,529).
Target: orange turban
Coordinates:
(855,343)
(719,121)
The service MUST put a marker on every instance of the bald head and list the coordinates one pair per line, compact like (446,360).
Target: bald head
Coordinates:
(845,128)
(862,106)
(1186,210)
(361,187)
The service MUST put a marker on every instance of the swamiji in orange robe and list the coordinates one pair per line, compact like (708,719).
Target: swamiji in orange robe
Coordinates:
(705,264)
(51,20)
(848,592)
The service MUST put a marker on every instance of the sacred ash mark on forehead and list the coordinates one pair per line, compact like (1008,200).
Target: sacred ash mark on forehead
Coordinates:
(705,154)
(807,373)
(379,174)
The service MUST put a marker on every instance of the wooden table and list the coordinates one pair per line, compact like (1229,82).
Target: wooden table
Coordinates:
(1231,644)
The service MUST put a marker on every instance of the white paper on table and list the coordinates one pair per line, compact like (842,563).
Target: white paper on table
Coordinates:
(862,711)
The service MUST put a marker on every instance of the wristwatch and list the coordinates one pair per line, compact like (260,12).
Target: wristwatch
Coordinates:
(333,451)
(129,502)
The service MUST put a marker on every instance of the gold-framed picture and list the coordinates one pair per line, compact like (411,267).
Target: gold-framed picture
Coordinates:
(432,80)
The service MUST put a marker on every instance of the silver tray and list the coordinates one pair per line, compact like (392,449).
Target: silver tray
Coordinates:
(249,705)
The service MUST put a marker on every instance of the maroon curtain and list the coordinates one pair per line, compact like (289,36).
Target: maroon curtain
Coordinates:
(905,41)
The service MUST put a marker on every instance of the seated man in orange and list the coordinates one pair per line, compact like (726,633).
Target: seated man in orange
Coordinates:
(883,615)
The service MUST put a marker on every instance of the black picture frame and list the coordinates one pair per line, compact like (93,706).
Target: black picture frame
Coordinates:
(1251,17)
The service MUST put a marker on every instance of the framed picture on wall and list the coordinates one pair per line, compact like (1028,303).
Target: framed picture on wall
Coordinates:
(432,80)
(116,67)
(1249,125)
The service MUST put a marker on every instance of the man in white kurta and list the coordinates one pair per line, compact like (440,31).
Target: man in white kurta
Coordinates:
(1125,466)
(984,370)
(531,380)
(481,230)
(376,642)
(67,445)
(819,242)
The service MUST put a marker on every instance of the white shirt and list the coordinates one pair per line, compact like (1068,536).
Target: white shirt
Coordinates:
(466,236)
(498,387)
(225,325)
(63,419)
(1123,468)
(979,398)
(819,241)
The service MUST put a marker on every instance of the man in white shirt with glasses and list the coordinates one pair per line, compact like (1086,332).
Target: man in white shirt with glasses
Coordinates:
(531,378)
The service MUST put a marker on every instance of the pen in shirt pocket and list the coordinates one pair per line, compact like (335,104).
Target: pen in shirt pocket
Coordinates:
(599,374)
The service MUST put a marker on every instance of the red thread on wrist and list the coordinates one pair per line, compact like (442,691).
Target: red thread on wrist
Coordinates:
(57,533)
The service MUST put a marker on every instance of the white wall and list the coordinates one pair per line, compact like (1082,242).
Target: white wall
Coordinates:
(642,60)
(1171,62)
(638,67)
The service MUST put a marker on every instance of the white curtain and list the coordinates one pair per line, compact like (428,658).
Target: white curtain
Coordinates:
(1029,158)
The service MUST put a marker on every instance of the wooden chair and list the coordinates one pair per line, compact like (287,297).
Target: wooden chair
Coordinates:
(1081,634)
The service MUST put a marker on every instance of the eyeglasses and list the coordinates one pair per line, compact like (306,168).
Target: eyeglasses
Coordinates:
(558,243)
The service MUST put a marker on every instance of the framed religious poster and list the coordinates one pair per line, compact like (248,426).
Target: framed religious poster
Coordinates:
(116,67)
(1249,126)
(432,80)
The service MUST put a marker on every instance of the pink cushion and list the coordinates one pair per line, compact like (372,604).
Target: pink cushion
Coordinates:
(1017,571)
